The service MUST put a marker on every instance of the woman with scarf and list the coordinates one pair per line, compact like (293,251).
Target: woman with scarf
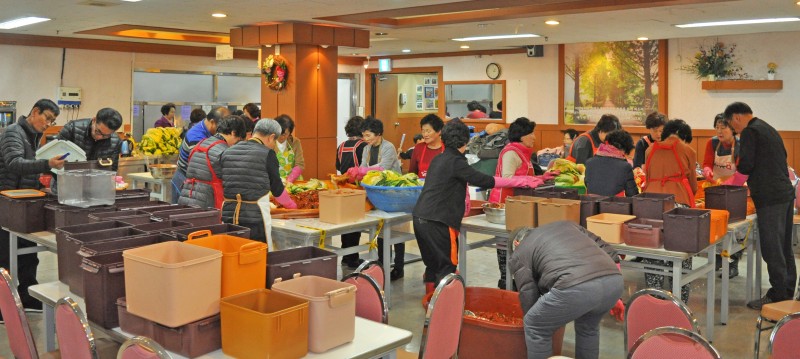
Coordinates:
(608,173)
(289,151)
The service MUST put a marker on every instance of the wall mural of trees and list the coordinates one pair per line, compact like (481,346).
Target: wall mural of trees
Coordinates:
(620,78)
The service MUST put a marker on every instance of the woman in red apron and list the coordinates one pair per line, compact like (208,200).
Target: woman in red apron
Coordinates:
(669,167)
(203,185)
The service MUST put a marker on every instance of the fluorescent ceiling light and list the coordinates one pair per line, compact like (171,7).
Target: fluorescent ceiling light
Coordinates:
(464,46)
(219,14)
(552,22)
(739,22)
(131,0)
(495,37)
(406,50)
(642,38)
(23,21)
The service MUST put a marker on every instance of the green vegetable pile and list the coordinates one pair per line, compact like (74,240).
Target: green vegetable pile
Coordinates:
(391,178)
(312,185)
(571,174)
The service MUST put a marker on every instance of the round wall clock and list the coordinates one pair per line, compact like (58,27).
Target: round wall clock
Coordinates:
(493,71)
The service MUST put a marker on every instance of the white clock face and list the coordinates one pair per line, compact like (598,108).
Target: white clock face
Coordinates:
(493,71)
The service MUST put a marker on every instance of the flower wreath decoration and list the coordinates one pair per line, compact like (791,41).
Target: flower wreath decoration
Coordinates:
(275,71)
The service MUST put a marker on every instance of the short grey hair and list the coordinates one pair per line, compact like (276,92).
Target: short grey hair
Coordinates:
(266,127)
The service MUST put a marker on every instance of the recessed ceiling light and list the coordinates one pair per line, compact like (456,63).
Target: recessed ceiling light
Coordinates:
(642,38)
(464,46)
(23,21)
(406,50)
(495,37)
(219,14)
(381,33)
(552,22)
(739,22)
(131,0)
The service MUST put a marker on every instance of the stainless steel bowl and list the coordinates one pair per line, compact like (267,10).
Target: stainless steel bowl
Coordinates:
(163,171)
(494,215)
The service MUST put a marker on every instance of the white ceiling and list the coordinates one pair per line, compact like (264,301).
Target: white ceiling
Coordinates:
(71,16)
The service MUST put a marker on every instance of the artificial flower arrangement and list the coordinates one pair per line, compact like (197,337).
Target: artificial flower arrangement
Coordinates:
(771,67)
(275,71)
(717,60)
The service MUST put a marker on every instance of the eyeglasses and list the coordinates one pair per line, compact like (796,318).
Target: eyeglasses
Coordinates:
(49,118)
(100,134)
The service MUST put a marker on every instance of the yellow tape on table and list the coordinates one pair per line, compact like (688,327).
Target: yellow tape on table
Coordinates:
(373,243)
(725,253)
(322,235)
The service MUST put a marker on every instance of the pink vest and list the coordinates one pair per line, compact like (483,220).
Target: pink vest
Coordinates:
(499,195)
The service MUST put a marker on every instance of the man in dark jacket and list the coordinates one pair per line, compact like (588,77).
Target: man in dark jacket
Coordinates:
(564,273)
(585,145)
(96,136)
(19,169)
(762,163)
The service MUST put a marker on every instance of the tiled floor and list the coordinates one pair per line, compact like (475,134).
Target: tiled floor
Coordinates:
(734,340)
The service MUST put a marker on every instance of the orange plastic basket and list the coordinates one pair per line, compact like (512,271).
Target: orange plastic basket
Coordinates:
(244,261)
(719,224)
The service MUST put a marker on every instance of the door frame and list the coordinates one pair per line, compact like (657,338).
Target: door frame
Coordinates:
(354,90)
(369,85)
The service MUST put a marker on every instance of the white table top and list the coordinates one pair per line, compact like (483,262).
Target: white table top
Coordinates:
(371,338)
(480,224)
(44,238)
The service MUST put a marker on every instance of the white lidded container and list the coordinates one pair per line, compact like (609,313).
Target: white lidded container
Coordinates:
(59,148)
(86,188)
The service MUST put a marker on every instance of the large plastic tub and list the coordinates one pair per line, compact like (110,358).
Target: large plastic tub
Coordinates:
(70,259)
(556,209)
(687,230)
(244,261)
(730,198)
(393,199)
(482,339)
(719,224)
(191,340)
(133,324)
(652,205)
(618,205)
(263,324)
(608,226)
(64,215)
(130,216)
(644,232)
(224,228)
(24,215)
(162,282)
(64,232)
(284,264)
(86,188)
(590,205)
(331,309)
(195,216)
(165,227)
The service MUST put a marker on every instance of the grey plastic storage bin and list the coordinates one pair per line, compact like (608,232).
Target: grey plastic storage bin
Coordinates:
(730,198)
(305,261)
(590,205)
(130,216)
(618,205)
(64,232)
(24,215)
(687,230)
(652,205)
(224,228)
(61,215)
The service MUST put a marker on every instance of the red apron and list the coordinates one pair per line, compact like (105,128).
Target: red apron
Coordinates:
(499,195)
(216,182)
(679,177)
(422,168)
(587,135)
(351,150)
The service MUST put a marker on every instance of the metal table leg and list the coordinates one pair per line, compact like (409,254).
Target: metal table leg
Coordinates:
(710,291)
(725,280)
(462,255)
(387,266)
(12,256)
(49,327)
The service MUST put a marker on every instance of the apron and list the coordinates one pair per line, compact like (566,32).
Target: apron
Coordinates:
(587,135)
(286,160)
(679,177)
(216,182)
(724,166)
(351,150)
(423,166)
(263,206)
(502,193)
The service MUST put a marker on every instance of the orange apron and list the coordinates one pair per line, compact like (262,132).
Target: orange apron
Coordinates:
(679,177)
(216,182)
(587,135)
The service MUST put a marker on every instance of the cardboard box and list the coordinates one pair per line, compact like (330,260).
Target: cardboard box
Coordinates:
(557,209)
(341,205)
(521,211)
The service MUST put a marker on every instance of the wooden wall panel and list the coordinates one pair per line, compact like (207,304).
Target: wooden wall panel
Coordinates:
(326,90)
(311,157)
(251,36)
(306,97)
(343,36)
(236,36)
(326,157)
(361,39)
(269,34)
(322,35)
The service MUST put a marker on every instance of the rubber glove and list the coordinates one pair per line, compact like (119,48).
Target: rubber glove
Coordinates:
(467,204)
(357,173)
(708,173)
(737,179)
(286,201)
(549,175)
(296,172)
(518,182)
(618,311)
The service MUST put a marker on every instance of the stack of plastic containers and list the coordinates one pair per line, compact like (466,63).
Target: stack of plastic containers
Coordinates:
(304,260)
(244,261)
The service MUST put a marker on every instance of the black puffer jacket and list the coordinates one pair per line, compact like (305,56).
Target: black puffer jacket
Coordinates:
(79,132)
(201,193)
(249,169)
(18,166)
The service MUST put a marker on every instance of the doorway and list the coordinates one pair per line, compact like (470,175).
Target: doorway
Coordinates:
(347,97)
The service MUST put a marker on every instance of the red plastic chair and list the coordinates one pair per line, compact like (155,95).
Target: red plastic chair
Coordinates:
(443,319)
(75,338)
(142,348)
(19,332)
(370,303)
(373,269)
(672,343)
(645,311)
(772,313)
(783,342)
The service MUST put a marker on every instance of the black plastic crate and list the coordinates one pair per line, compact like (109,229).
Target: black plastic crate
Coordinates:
(618,205)
(64,232)
(131,216)
(730,198)
(590,205)
(304,261)
(64,215)
(652,205)
(195,216)
(167,227)
(687,230)
(224,228)
(555,192)
(24,215)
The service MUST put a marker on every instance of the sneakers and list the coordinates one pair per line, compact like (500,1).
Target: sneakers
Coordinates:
(32,306)
(396,274)
(758,303)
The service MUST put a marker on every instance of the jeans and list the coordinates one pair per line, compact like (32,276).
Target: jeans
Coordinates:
(177,185)
(585,304)
(775,235)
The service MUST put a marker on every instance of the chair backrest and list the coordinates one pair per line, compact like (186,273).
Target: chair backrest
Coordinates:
(20,337)
(373,269)
(646,311)
(370,303)
(75,338)
(142,348)
(443,319)
(672,342)
(783,342)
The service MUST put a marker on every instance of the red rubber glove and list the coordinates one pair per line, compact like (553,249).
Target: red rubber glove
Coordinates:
(618,311)
(467,204)
(357,173)
(708,173)
(737,179)
(517,182)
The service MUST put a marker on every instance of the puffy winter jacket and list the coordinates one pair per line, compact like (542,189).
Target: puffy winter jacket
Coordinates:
(249,169)
(79,132)
(193,136)
(201,193)
(18,166)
